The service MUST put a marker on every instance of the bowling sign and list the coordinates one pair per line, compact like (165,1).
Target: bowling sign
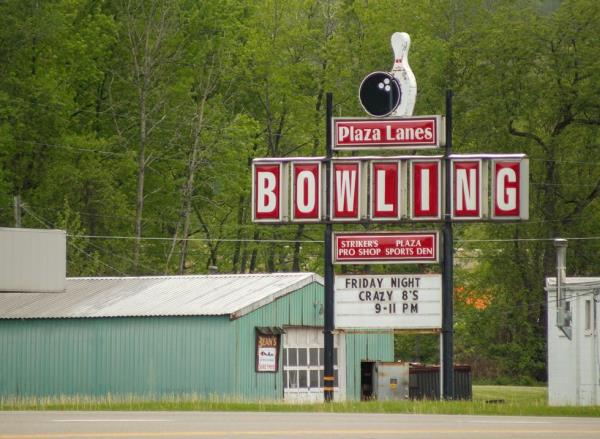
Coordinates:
(390,189)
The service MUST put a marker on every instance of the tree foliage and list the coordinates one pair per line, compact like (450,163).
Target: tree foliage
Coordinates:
(131,124)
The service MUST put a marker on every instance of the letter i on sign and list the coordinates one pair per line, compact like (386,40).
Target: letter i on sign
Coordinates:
(425,192)
(267,191)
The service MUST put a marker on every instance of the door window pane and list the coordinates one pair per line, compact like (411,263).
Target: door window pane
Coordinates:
(285,380)
(292,357)
(314,356)
(293,383)
(335,378)
(314,379)
(302,360)
(302,382)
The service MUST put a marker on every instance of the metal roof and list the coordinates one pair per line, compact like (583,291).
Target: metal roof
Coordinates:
(224,294)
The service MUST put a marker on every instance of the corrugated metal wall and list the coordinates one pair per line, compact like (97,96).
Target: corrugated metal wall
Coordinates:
(147,356)
(365,347)
(161,355)
(297,309)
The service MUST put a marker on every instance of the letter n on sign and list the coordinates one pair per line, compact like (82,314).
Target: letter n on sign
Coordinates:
(268,204)
(467,189)
(510,189)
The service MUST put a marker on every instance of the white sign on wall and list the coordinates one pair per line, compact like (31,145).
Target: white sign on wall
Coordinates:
(398,301)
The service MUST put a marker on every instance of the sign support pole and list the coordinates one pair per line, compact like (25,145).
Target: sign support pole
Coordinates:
(328,378)
(447,372)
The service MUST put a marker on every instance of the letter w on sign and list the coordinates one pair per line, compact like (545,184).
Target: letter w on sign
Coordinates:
(346,188)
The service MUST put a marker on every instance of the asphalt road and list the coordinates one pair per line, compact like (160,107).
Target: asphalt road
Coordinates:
(54,425)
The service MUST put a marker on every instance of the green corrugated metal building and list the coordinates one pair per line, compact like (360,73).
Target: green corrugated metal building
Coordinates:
(203,335)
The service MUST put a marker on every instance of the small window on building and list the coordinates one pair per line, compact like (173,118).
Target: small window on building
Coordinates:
(335,357)
(302,379)
(321,356)
(284,358)
(314,356)
(302,354)
(314,379)
(588,317)
(293,379)
(292,357)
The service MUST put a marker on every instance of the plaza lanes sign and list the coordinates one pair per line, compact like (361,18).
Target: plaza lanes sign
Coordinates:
(391,133)
(380,189)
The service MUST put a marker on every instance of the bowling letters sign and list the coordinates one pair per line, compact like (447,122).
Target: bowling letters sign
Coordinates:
(399,301)
(390,189)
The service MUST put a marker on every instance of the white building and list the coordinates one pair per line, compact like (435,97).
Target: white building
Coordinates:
(574,364)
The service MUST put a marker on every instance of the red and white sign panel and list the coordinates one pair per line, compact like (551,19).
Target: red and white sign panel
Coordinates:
(399,133)
(346,187)
(467,189)
(385,247)
(385,190)
(425,190)
(306,191)
(510,189)
(267,192)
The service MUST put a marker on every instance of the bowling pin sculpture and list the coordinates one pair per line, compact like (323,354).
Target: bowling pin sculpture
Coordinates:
(403,74)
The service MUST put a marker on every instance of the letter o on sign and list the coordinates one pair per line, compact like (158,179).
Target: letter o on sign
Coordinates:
(306,191)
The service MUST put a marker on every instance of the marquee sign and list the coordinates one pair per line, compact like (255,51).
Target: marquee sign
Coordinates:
(395,133)
(385,247)
(399,301)
(384,189)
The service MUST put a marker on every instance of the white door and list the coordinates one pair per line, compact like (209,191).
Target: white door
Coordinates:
(303,365)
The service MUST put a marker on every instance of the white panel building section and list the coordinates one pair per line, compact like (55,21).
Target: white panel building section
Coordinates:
(32,260)
(574,365)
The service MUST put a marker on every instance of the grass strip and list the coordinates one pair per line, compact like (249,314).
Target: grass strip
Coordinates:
(487,400)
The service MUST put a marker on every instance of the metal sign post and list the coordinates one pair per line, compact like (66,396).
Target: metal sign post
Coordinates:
(447,360)
(328,378)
